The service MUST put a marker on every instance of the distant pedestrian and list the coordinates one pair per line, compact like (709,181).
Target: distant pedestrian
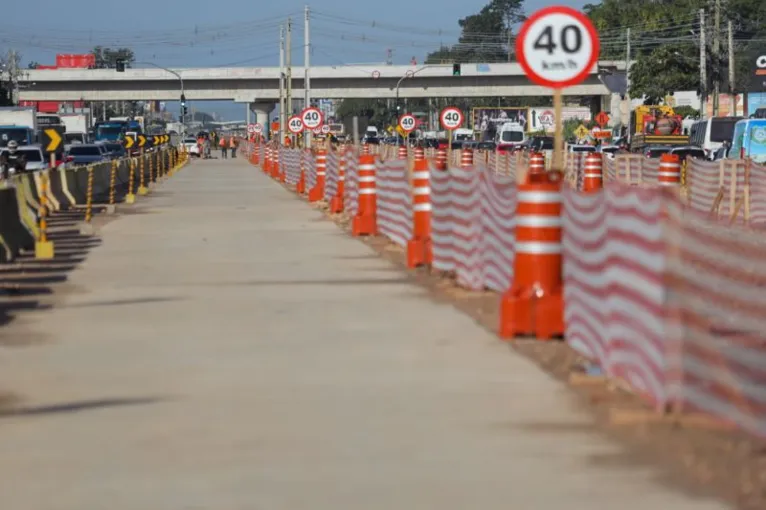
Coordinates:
(233,146)
(222,145)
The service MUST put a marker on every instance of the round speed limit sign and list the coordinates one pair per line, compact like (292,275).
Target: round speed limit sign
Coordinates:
(317,130)
(451,118)
(325,128)
(295,124)
(407,122)
(311,117)
(257,128)
(557,47)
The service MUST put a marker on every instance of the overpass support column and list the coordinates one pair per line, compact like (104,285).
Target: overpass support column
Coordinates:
(262,111)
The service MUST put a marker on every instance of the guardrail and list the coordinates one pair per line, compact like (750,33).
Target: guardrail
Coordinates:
(27,198)
(641,275)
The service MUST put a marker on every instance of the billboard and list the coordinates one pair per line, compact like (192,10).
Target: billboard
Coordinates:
(486,120)
(757,71)
(543,119)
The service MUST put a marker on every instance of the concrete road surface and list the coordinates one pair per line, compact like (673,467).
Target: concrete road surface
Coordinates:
(226,348)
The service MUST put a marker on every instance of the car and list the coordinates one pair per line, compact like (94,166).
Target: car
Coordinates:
(116,150)
(34,156)
(87,153)
(608,150)
(190,146)
(655,151)
(486,145)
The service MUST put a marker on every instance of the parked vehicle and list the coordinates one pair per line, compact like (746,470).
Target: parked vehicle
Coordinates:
(18,124)
(749,140)
(85,154)
(710,134)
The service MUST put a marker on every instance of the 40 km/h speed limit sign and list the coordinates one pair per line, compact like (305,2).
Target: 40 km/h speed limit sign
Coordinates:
(557,47)
(407,122)
(295,124)
(451,118)
(311,117)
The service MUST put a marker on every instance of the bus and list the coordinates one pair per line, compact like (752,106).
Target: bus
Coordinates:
(749,140)
(710,134)
(109,131)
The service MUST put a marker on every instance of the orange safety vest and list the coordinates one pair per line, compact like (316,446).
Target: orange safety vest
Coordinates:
(222,143)
(232,142)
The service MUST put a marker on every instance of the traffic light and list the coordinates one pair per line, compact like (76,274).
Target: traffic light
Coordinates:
(184,110)
(455,69)
(120,65)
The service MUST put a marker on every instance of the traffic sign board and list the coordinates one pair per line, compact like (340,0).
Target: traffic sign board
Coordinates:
(326,128)
(557,47)
(295,124)
(602,119)
(258,127)
(451,118)
(129,142)
(141,140)
(376,74)
(410,73)
(311,117)
(317,130)
(547,118)
(251,128)
(601,134)
(52,139)
(407,122)
(581,131)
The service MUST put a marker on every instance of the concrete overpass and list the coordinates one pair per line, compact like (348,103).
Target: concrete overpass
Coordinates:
(261,84)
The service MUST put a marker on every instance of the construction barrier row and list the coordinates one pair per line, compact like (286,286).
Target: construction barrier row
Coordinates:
(642,281)
(28,198)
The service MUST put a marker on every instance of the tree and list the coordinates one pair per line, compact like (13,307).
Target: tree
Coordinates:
(662,72)
(106,58)
(10,65)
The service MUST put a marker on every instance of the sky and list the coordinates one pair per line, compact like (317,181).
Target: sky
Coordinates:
(240,33)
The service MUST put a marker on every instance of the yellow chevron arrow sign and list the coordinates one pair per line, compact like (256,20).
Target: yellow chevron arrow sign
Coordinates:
(51,140)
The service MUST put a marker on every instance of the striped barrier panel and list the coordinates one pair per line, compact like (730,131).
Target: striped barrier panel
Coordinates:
(309,167)
(351,188)
(394,201)
(331,175)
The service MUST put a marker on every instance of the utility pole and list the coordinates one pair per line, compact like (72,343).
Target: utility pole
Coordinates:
(306,67)
(732,87)
(626,117)
(703,66)
(717,58)
(281,83)
(289,64)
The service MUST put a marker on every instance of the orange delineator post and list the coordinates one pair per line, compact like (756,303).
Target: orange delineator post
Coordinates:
(317,192)
(536,163)
(300,187)
(365,150)
(466,158)
(366,222)
(402,152)
(336,204)
(419,249)
(669,173)
(267,161)
(441,159)
(593,175)
(275,163)
(534,304)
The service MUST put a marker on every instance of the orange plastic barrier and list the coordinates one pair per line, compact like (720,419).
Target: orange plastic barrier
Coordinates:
(534,303)
(419,249)
(317,192)
(669,173)
(441,159)
(536,165)
(365,221)
(593,175)
(466,158)
(336,204)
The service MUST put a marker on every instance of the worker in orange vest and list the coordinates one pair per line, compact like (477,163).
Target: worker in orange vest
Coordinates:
(233,146)
(222,144)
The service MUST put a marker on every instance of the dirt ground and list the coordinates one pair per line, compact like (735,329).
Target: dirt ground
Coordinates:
(694,453)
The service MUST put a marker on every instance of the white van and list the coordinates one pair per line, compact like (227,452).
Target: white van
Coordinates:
(510,135)
(709,134)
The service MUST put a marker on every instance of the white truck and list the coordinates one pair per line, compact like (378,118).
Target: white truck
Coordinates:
(18,123)
(76,127)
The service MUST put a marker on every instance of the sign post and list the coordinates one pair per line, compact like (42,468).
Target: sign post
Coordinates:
(557,47)
(312,118)
(450,118)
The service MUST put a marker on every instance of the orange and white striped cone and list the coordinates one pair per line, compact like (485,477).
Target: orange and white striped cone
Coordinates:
(466,158)
(669,173)
(419,249)
(365,150)
(534,304)
(317,192)
(441,159)
(336,204)
(275,163)
(420,154)
(593,174)
(267,160)
(300,187)
(402,152)
(366,220)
